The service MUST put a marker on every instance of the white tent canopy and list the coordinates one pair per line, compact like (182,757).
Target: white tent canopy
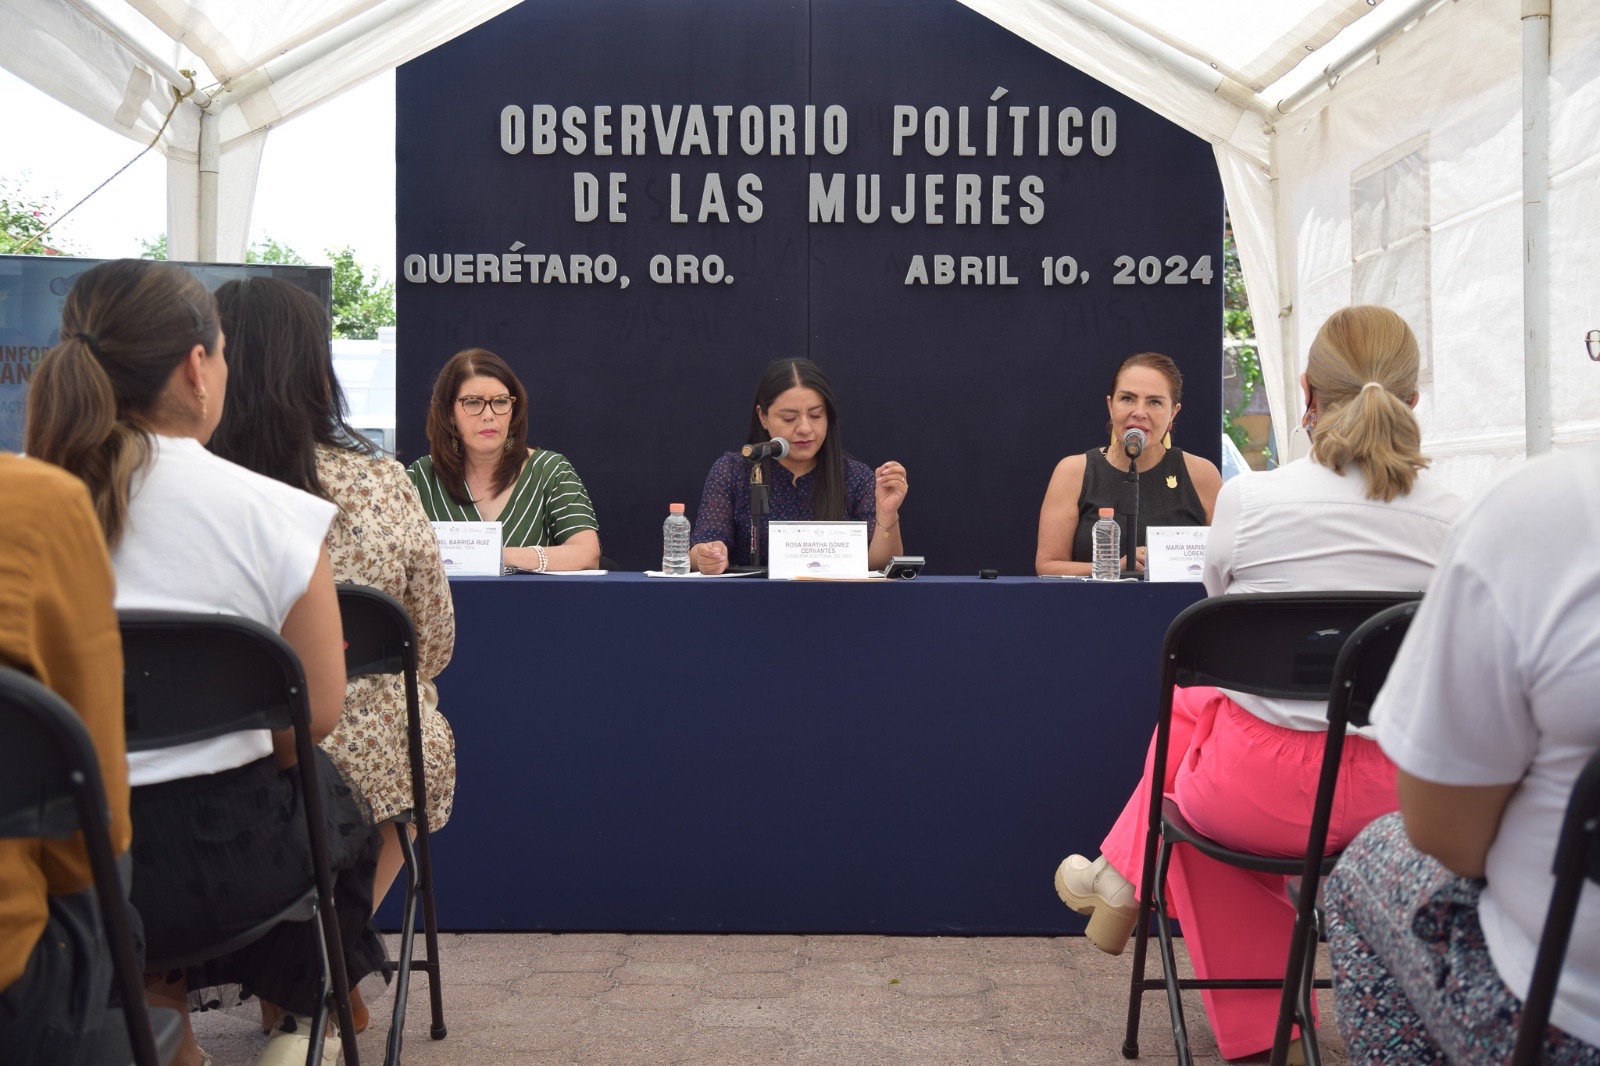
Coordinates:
(254,65)
(1370,152)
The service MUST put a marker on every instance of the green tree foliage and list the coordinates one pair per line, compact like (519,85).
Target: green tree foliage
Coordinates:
(1239,329)
(23,217)
(362,301)
(269,250)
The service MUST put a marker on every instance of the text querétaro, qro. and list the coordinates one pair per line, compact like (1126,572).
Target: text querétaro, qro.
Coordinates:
(514,267)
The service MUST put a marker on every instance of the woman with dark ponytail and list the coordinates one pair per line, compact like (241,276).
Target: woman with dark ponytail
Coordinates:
(126,402)
(1358,513)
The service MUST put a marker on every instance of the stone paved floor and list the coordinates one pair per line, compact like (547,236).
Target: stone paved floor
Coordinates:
(530,999)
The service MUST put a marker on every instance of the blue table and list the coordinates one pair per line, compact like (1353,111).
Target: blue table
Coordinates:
(742,755)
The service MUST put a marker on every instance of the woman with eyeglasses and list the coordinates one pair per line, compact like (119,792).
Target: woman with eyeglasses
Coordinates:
(481,469)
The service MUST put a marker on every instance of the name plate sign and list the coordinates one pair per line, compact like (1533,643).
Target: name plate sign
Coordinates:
(1176,553)
(816,549)
(469,549)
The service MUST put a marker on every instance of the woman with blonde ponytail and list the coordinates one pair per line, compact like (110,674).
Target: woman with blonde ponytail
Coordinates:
(1359,512)
(126,402)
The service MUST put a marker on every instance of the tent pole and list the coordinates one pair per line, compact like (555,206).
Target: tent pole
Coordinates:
(206,206)
(1288,357)
(1359,53)
(1536,225)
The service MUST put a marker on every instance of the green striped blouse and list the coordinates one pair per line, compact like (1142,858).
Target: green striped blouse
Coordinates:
(548,504)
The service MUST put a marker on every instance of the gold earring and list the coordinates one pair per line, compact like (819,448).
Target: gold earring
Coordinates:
(205,405)
(1166,439)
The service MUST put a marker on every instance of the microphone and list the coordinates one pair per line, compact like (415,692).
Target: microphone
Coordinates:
(1133,441)
(776,448)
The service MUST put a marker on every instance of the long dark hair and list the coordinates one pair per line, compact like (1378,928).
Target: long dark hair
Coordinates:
(125,327)
(284,399)
(827,489)
(444,443)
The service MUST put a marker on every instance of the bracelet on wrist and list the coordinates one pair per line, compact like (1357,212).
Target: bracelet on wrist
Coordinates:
(890,529)
(544,559)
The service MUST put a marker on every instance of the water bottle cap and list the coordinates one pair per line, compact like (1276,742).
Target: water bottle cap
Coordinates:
(674,508)
(1107,512)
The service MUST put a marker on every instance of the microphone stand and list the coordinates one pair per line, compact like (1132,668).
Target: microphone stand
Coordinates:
(1130,508)
(760,493)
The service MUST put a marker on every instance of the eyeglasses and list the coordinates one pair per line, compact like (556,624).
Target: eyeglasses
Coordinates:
(474,405)
(1592,339)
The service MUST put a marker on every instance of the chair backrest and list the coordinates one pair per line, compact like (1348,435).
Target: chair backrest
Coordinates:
(50,787)
(378,634)
(1363,665)
(381,639)
(191,676)
(195,676)
(1577,862)
(1359,672)
(1276,644)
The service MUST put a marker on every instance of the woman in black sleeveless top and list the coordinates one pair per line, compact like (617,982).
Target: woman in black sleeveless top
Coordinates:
(1175,489)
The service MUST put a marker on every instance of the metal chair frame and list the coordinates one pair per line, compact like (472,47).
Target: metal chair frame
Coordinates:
(381,639)
(1358,674)
(1269,644)
(1577,862)
(50,786)
(191,677)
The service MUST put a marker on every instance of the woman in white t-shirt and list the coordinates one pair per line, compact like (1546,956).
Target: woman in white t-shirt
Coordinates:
(126,401)
(1359,513)
(1489,713)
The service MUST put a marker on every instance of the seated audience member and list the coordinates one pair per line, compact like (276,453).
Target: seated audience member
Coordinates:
(1360,512)
(1489,713)
(480,468)
(127,401)
(285,419)
(820,481)
(1175,488)
(57,624)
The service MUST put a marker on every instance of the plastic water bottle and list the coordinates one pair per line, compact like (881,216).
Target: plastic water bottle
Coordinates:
(1107,565)
(675,542)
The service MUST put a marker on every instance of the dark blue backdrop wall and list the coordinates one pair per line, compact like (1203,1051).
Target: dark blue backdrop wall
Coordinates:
(639,204)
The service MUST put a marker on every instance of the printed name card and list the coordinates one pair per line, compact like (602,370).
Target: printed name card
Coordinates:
(469,549)
(816,549)
(1176,553)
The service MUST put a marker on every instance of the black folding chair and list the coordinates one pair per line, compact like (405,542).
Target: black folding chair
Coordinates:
(1358,673)
(50,787)
(380,639)
(1279,645)
(191,677)
(1577,863)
